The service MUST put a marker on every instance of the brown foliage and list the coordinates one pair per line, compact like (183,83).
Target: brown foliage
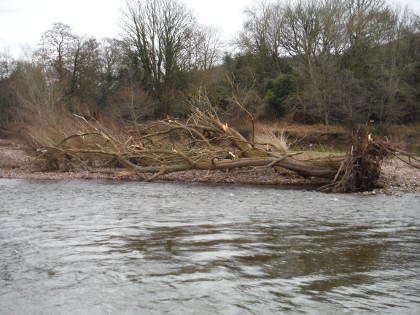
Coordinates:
(203,142)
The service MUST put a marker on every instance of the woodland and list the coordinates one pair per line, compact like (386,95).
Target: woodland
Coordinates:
(169,95)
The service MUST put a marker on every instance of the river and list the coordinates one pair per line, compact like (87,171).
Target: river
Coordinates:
(103,247)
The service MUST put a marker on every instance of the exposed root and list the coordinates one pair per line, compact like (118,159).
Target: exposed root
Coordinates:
(360,171)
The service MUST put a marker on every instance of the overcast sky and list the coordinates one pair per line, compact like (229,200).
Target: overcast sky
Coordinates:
(22,22)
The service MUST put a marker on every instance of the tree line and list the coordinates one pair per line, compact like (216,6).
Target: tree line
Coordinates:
(305,61)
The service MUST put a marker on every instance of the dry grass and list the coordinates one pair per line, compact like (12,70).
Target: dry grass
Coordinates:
(50,132)
(300,129)
(51,129)
(403,129)
(268,137)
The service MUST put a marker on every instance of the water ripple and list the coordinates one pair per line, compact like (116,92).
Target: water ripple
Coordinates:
(76,247)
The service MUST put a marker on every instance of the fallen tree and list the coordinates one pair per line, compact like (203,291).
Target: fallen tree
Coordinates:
(203,142)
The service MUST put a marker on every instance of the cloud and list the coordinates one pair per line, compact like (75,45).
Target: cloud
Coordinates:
(24,21)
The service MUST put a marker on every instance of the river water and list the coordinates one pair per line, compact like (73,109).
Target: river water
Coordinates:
(97,247)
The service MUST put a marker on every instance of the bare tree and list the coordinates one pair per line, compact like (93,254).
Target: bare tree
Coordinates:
(85,72)
(205,49)
(7,64)
(261,33)
(332,41)
(167,43)
(111,57)
(157,31)
(7,67)
(56,48)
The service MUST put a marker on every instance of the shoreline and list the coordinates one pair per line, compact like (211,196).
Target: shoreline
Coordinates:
(396,177)
(282,182)
(194,176)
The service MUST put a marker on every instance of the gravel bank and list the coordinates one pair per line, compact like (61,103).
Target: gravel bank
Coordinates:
(15,162)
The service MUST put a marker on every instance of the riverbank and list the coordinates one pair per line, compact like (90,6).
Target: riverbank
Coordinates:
(16,162)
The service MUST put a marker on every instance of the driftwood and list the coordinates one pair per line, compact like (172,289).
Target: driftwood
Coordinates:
(203,142)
